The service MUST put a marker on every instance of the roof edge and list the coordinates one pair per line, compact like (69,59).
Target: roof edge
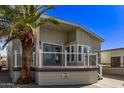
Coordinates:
(112,49)
(75,24)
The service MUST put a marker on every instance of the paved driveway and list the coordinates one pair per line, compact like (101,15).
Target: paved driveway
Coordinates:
(109,81)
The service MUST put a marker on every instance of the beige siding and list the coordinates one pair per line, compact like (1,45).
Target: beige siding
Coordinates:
(118,52)
(118,71)
(59,37)
(87,39)
(71,36)
(106,57)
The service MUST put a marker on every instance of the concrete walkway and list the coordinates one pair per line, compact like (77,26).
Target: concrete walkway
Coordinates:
(109,81)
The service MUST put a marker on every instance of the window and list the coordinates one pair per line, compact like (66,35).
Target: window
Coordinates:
(80,51)
(53,58)
(85,50)
(115,61)
(68,50)
(72,55)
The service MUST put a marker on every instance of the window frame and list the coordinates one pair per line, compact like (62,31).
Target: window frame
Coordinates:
(50,44)
(112,62)
(82,50)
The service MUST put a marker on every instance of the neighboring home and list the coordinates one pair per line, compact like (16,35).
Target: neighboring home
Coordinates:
(62,55)
(3,63)
(112,61)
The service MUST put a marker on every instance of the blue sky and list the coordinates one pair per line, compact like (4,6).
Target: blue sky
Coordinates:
(106,21)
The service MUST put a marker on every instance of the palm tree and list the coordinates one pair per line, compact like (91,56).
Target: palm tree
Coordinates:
(24,21)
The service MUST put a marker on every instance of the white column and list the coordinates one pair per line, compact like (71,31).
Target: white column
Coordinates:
(40,58)
(84,59)
(37,45)
(96,59)
(33,63)
(65,58)
(88,59)
(100,67)
(15,59)
(122,64)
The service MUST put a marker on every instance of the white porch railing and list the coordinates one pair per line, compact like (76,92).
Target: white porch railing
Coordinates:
(61,59)
(16,59)
(67,59)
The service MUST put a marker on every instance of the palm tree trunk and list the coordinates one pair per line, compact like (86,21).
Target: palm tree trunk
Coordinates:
(26,62)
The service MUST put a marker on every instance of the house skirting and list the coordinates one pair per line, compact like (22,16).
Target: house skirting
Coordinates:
(68,76)
(63,76)
(17,71)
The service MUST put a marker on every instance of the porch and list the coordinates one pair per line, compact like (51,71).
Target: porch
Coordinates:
(60,60)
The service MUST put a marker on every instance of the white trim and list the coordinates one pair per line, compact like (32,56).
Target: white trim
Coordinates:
(65,58)
(67,67)
(88,54)
(75,52)
(97,59)
(51,44)
(49,52)
(88,60)
(15,59)
(33,59)
(40,58)
(70,59)
(122,63)
(82,51)
(84,60)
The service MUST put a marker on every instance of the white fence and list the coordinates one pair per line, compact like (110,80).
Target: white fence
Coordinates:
(61,59)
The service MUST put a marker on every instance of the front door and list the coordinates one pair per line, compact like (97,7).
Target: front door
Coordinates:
(52,57)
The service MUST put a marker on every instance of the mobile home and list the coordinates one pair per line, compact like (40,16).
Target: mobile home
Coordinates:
(62,55)
(113,61)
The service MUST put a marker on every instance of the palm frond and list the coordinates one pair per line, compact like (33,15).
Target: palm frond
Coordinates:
(25,19)
(47,7)
(7,41)
(9,12)
(47,20)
